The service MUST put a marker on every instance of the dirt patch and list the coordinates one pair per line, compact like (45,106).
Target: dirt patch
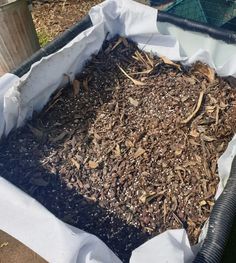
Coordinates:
(130,147)
(12,250)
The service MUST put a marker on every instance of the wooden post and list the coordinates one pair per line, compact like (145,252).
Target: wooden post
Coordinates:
(18,39)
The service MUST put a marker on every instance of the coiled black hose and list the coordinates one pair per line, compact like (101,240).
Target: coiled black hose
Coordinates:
(220,223)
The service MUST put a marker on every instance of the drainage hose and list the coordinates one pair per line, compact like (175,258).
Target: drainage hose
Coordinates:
(220,223)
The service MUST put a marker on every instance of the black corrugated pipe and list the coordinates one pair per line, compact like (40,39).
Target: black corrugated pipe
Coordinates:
(220,223)
(191,25)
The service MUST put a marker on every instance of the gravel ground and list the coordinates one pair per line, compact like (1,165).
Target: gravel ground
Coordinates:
(130,146)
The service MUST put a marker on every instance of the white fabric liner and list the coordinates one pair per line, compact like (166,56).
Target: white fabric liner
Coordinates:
(27,220)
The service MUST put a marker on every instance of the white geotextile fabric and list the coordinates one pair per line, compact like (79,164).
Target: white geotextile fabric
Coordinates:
(26,219)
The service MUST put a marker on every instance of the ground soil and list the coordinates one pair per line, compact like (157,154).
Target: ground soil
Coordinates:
(51,18)
(12,251)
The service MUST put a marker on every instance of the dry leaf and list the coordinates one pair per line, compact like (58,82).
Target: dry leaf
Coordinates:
(183,99)
(175,203)
(77,165)
(142,72)
(223,105)
(125,42)
(198,158)
(140,58)
(76,87)
(129,217)
(220,148)
(133,102)
(196,109)
(189,163)
(178,151)
(192,81)
(213,166)
(212,99)
(97,136)
(150,61)
(201,128)
(119,41)
(129,144)
(117,151)
(147,197)
(164,211)
(210,203)
(194,133)
(208,138)
(136,82)
(139,152)
(37,133)
(169,62)
(152,195)
(191,223)
(4,244)
(93,165)
(206,71)
(191,141)
(210,109)
(59,137)
(202,203)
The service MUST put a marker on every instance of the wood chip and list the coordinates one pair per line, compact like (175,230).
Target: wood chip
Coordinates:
(76,87)
(93,165)
(140,151)
(117,151)
(133,102)
(206,71)
(169,62)
(76,164)
(208,138)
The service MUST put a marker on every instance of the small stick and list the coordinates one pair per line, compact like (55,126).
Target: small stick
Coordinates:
(199,103)
(136,82)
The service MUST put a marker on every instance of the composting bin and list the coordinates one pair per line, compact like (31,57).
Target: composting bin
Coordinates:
(18,36)
(30,86)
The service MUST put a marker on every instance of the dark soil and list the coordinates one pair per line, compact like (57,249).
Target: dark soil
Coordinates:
(128,150)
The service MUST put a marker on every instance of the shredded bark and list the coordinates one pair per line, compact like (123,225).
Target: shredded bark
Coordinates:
(128,150)
(53,17)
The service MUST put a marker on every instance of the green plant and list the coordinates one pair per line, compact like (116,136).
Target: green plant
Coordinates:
(43,38)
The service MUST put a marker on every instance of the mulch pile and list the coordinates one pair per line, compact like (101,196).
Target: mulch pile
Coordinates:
(53,17)
(129,149)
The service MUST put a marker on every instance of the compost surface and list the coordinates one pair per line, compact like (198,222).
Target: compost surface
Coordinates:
(129,149)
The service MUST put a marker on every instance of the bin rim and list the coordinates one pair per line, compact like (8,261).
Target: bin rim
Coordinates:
(186,24)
